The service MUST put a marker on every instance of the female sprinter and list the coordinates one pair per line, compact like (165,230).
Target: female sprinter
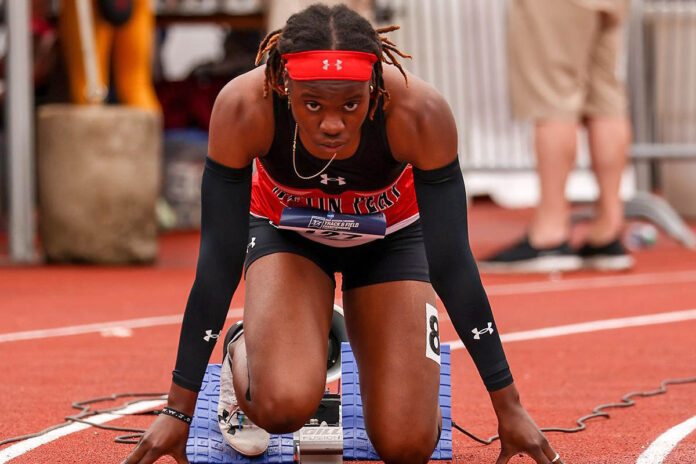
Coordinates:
(357,173)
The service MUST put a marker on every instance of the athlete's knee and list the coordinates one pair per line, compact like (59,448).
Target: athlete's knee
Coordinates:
(405,444)
(284,410)
(401,452)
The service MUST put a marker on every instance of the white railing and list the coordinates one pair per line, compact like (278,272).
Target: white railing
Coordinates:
(459,47)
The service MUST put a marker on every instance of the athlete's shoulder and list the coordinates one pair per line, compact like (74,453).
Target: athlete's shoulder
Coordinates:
(241,124)
(420,123)
(410,96)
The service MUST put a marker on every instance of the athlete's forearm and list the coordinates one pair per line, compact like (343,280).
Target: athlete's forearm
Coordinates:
(225,197)
(505,399)
(453,271)
(182,399)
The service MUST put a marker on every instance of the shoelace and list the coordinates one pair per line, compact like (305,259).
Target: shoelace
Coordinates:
(228,418)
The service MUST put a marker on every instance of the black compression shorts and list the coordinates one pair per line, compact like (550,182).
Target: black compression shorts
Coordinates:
(398,256)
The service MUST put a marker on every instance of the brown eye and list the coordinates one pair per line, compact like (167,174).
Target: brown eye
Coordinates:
(312,106)
(351,106)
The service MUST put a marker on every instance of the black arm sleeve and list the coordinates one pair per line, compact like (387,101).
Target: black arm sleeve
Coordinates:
(225,198)
(453,272)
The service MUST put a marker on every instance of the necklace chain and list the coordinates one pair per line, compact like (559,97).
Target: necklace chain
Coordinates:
(294,166)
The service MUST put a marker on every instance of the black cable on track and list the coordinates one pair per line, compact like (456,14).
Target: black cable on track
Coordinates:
(626,401)
(85,413)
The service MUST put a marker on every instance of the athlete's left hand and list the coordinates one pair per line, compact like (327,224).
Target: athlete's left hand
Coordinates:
(517,430)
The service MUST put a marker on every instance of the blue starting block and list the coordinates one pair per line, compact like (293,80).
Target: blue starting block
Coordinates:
(356,444)
(205,444)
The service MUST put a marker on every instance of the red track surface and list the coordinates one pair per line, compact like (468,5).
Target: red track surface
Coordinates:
(560,378)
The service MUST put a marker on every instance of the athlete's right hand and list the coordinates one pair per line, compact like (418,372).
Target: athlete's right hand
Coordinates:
(166,436)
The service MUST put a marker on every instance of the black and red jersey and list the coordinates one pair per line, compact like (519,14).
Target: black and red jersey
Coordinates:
(369,182)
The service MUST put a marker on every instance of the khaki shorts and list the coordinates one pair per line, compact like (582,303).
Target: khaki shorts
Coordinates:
(562,58)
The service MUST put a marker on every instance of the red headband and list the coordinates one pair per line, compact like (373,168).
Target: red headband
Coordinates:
(329,64)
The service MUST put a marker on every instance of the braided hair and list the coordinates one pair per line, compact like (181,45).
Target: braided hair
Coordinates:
(320,27)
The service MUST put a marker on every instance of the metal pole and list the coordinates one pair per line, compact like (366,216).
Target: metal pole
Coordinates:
(640,95)
(20,129)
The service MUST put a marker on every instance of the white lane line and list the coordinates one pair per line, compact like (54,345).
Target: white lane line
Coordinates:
(500,289)
(561,285)
(102,326)
(25,446)
(593,326)
(665,443)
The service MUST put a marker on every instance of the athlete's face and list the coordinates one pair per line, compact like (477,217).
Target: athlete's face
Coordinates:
(329,115)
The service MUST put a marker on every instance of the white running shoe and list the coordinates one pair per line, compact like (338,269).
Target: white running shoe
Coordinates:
(237,430)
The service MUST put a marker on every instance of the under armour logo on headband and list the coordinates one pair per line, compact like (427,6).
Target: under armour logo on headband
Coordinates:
(345,65)
(338,64)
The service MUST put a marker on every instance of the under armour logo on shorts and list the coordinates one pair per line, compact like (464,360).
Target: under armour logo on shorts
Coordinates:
(209,335)
(251,244)
(338,64)
(477,333)
(325,179)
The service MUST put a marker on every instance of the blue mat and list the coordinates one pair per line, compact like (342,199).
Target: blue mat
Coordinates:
(356,445)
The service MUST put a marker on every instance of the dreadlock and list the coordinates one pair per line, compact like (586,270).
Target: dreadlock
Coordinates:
(320,27)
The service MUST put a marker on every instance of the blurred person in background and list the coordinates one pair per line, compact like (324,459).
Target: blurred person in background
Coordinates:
(562,59)
(124,35)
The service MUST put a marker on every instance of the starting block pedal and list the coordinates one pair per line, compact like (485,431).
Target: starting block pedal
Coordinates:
(356,444)
(336,431)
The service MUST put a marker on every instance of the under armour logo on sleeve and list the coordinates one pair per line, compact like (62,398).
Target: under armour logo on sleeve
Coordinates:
(477,333)
(210,335)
